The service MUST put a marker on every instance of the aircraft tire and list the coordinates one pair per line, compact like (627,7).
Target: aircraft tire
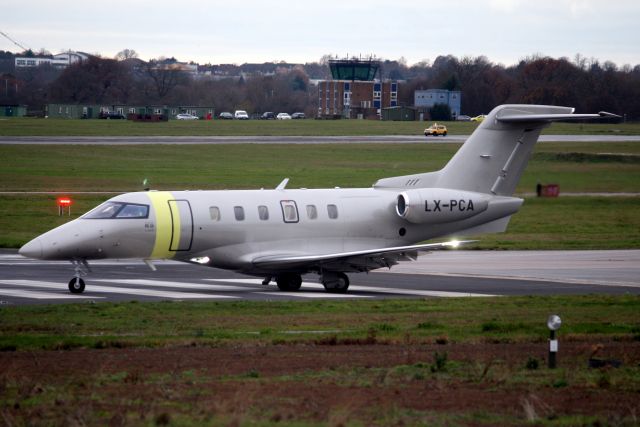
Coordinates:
(76,285)
(342,285)
(289,282)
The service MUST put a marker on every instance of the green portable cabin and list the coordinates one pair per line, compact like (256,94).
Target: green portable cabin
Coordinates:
(13,110)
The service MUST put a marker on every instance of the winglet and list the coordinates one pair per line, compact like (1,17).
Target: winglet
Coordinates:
(283,184)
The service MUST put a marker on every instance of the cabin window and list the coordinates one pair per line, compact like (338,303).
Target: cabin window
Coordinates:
(289,211)
(239,213)
(263,212)
(214,212)
(312,212)
(332,210)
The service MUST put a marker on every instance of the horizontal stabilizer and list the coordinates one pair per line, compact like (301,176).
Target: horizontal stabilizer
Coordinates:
(516,116)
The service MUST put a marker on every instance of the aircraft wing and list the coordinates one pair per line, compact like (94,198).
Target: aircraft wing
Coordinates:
(363,260)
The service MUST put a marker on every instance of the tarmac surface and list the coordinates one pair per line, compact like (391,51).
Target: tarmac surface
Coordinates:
(196,140)
(439,275)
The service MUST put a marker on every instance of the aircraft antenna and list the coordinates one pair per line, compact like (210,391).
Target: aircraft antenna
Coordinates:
(13,41)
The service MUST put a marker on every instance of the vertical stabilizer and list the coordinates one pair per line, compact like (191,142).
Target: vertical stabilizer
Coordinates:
(493,158)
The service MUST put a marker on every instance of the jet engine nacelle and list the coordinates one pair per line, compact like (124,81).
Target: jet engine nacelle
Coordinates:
(439,205)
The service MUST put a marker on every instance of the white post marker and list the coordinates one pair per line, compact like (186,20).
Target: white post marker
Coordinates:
(553,323)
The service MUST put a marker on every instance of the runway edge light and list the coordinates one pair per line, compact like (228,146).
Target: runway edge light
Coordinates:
(64,202)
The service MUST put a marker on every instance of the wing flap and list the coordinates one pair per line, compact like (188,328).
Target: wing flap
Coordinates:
(365,259)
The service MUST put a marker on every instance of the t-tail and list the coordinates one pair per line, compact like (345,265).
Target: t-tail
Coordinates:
(493,158)
(490,163)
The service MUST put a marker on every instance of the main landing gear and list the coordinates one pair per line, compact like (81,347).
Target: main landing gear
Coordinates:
(289,282)
(333,282)
(81,267)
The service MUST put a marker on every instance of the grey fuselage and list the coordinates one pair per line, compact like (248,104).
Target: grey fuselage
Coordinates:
(184,225)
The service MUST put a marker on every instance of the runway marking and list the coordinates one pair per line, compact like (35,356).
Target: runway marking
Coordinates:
(169,284)
(311,294)
(117,290)
(259,282)
(41,295)
(372,289)
(440,294)
(550,280)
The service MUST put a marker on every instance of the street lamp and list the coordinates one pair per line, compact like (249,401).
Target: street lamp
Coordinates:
(553,323)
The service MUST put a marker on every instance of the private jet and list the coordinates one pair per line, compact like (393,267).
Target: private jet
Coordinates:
(280,234)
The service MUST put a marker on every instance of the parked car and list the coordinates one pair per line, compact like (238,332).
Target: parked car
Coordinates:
(225,116)
(283,116)
(268,116)
(478,119)
(435,130)
(241,115)
(111,115)
(298,116)
(186,116)
(463,118)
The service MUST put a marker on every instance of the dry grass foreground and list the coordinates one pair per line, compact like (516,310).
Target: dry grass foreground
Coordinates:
(326,381)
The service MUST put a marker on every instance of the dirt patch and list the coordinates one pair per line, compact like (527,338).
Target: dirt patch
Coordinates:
(329,384)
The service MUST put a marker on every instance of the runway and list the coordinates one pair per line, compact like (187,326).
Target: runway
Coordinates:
(200,140)
(436,275)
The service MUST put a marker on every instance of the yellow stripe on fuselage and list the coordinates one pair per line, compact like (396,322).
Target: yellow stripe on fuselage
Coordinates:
(165,227)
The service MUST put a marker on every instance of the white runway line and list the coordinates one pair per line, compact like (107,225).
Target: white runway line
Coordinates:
(19,293)
(418,292)
(117,290)
(259,282)
(372,289)
(170,284)
(311,294)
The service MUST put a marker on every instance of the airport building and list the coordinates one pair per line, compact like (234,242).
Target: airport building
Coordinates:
(425,99)
(61,60)
(13,110)
(90,111)
(354,92)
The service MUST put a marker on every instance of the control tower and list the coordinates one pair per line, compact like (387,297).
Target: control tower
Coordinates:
(354,92)
(354,69)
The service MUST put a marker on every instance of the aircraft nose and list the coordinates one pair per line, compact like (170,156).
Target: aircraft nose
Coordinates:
(33,249)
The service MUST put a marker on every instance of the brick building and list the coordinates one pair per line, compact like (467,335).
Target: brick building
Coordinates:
(355,99)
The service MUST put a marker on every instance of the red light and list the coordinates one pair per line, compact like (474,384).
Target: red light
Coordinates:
(64,201)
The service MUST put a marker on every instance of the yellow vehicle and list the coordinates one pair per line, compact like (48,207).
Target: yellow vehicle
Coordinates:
(478,118)
(435,130)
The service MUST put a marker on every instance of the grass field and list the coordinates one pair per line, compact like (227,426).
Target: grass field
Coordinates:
(542,223)
(68,127)
(461,320)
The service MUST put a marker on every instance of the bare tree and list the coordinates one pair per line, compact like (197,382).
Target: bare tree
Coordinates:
(126,54)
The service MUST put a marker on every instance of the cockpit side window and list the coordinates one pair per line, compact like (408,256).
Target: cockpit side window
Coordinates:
(110,210)
(131,210)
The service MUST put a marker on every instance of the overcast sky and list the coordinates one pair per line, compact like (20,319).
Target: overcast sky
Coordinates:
(237,31)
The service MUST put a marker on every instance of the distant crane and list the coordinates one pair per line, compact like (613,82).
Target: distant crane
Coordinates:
(13,41)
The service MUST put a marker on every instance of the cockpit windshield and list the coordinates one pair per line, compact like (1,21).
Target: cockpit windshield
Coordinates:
(109,210)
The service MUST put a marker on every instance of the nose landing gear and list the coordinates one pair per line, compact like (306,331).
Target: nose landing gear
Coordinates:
(76,285)
(81,267)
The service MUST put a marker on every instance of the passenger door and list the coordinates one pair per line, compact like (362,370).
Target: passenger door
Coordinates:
(181,225)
